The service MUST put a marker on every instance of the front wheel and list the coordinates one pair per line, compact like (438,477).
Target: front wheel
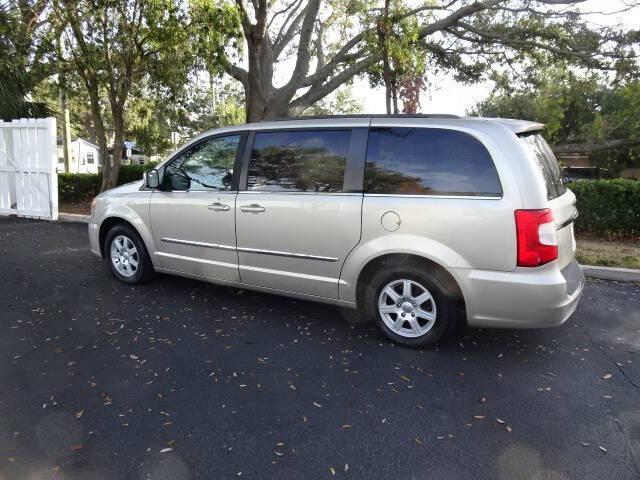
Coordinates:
(411,306)
(127,256)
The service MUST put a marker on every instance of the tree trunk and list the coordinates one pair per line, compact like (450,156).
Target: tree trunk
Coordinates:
(110,175)
(394,95)
(66,129)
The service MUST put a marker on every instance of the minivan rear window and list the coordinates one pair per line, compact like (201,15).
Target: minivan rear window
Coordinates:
(547,163)
(428,161)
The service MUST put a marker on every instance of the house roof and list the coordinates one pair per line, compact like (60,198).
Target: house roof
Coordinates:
(59,141)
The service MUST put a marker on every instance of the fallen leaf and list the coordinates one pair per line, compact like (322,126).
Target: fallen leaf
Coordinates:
(346,425)
(607,376)
(75,447)
(479,417)
(499,420)
(332,470)
(165,450)
(602,448)
(79,414)
(317,404)
(133,357)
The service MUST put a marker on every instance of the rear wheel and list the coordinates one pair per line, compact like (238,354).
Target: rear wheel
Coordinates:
(127,256)
(411,306)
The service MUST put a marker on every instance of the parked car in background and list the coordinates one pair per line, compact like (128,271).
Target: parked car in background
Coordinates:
(418,222)
(570,174)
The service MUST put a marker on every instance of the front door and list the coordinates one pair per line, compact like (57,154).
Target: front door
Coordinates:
(295,222)
(193,215)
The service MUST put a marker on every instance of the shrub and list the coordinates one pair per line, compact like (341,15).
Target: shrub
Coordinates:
(73,187)
(608,207)
(78,186)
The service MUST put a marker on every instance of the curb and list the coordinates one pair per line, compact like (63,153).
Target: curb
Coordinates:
(73,217)
(611,273)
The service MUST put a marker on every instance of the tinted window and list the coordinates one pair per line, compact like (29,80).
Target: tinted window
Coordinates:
(547,163)
(428,161)
(205,166)
(300,161)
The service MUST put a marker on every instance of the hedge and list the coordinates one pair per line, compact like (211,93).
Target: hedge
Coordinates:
(608,207)
(85,186)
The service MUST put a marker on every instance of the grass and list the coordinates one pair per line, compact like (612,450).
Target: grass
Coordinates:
(608,253)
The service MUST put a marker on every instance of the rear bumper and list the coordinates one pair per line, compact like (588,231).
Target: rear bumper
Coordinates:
(94,239)
(525,298)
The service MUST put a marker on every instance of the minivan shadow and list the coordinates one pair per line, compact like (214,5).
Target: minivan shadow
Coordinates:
(326,317)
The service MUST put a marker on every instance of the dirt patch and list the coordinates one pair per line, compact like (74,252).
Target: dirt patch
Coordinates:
(82,208)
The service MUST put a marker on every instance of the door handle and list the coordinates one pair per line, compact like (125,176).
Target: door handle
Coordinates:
(254,208)
(219,207)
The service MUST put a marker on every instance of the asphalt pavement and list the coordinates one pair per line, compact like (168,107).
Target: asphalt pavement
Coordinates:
(180,379)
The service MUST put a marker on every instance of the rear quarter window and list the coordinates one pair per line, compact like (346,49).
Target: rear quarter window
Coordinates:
(428,161)
(547,163)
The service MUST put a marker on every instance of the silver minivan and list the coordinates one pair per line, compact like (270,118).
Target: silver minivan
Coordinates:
(418,222)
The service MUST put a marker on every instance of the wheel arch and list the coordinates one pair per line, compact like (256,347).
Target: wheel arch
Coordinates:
(441,273)
(109,222)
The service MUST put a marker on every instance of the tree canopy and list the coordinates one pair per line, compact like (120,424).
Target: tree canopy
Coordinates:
(582,112)
(322,45)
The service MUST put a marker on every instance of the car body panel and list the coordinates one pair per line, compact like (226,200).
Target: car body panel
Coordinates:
(191,237)
(299,242)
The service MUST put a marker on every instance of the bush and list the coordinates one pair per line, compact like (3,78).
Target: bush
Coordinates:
(74,187)
(608,207)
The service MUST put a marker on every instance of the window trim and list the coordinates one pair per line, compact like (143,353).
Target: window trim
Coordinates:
(462,196)
(242,142)
(353,171)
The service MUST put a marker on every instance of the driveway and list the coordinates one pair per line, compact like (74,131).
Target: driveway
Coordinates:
(180,379)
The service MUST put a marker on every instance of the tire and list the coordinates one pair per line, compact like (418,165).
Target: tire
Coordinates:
(438,304)
(129,248)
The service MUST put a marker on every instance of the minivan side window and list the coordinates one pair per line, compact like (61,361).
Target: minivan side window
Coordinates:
(208,165)
(547,163)
(428,161)
(298,161)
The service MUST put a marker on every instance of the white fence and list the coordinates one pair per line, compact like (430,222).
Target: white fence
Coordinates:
(28,160)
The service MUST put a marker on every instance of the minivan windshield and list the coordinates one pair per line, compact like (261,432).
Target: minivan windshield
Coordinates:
(547,163)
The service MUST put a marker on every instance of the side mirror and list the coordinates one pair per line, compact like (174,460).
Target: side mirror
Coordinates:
(152,179)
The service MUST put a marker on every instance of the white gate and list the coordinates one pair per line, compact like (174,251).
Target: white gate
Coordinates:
(28,161)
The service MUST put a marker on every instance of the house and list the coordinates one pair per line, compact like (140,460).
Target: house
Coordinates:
(131,155)
(85,156)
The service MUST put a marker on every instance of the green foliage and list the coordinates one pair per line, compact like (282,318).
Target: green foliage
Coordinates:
(574,109)
(21,61)
(78,186)
(561,100)
(340,103)
(85,186)
(608,207)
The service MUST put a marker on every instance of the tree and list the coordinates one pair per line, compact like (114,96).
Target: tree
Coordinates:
(340,102)
(584,113)
(114,45)
(26,50)
(324,45)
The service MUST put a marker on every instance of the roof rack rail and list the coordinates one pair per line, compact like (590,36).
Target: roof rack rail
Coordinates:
(364,115)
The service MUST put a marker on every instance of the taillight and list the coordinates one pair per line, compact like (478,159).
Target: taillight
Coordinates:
(537,241)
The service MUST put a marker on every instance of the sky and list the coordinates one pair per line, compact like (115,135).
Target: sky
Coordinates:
(445,95)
